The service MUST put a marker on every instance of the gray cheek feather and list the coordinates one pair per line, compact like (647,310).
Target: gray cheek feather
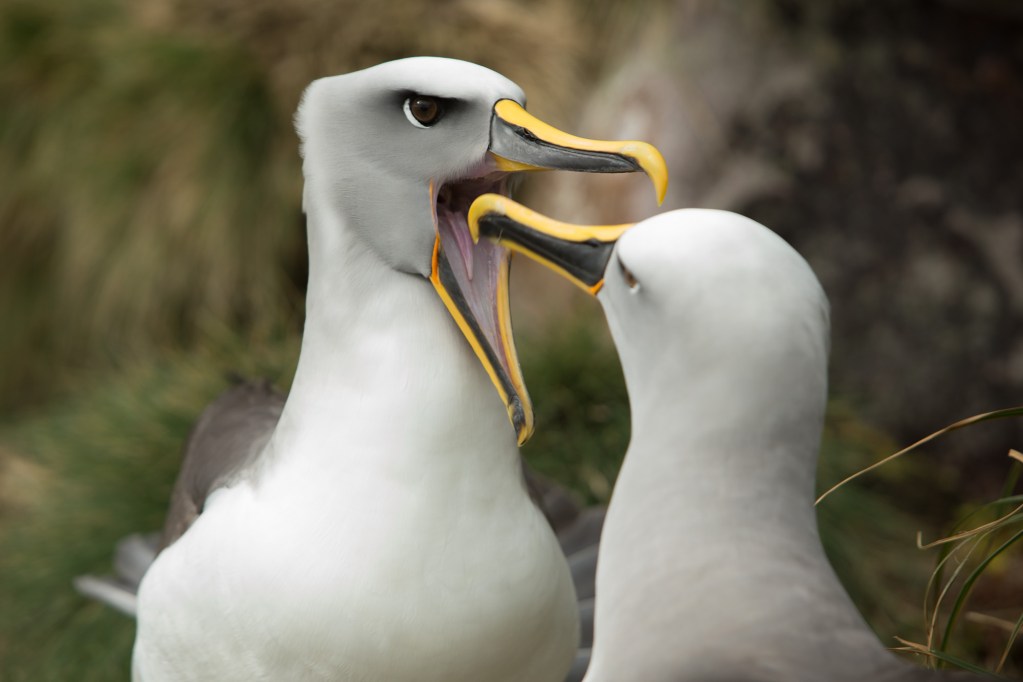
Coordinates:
(394,216)
(376,187)
(380,167)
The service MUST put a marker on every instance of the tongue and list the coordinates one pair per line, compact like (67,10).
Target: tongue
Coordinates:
(460,228)
(477,270)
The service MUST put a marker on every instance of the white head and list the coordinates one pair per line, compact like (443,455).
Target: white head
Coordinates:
(368,155)
(711,313)
(393,157)
(687,292)
(722,331)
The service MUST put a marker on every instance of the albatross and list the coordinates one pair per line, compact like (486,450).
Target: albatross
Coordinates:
(376,525)
(710,566)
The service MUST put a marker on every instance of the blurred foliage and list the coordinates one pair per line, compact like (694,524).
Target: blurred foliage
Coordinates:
(80,475)
(978,550)
(144,188)
(969,612)
(581,405)
(151,242)
(150,184)
(865,520)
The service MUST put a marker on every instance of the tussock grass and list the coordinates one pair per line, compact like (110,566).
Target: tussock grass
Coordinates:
(976,548)
(144,188)
(974,551)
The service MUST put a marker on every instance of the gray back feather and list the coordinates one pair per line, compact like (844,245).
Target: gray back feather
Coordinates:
(228,436)
(226,439)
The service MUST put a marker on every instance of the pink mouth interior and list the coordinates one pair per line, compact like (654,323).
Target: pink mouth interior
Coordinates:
(477,267)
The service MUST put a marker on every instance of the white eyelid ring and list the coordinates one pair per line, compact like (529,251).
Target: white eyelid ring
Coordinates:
(423,111)
(408,114)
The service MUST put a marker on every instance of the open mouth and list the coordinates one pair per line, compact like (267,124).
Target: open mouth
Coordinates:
(451,205)
(579,253)
(472,279)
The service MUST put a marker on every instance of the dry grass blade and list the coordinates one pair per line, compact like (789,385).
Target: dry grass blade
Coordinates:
(971,579)
(976,419)
(986,619)
(947,550)
(1016,454)
(1008,645)
(932,621)
(914,647)
(952,546)
(968,533)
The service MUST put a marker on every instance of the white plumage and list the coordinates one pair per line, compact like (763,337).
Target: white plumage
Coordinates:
(384,532)
(710,566)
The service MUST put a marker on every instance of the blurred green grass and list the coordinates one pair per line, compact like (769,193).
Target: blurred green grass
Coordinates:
(150,184)
(152,242)
(122,223)
(84,472)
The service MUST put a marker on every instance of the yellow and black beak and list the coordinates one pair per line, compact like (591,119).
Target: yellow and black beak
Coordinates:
(519,141)
(471,276)
(579,253)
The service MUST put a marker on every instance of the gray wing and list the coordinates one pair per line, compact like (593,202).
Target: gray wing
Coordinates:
(226,439)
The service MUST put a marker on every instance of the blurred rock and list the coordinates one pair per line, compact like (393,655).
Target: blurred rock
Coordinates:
(882,140)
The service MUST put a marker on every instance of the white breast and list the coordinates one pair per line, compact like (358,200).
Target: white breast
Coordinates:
(267,587)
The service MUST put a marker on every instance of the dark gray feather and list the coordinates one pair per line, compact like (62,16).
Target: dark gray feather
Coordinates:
(228,436)
(132,558)
(224,442)
(578,670)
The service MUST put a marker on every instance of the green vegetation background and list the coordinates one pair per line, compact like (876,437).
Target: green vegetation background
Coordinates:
(152,243)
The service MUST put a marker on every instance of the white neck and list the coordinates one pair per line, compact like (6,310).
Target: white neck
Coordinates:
(370,329)
(388,507)
(710,559)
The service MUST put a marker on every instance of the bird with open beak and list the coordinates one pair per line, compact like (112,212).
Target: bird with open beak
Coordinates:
(375,524)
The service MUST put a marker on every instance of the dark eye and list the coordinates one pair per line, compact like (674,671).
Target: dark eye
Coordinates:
(423,111)
(627,275)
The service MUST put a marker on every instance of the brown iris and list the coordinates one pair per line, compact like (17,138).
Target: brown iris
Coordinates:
(426,110)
